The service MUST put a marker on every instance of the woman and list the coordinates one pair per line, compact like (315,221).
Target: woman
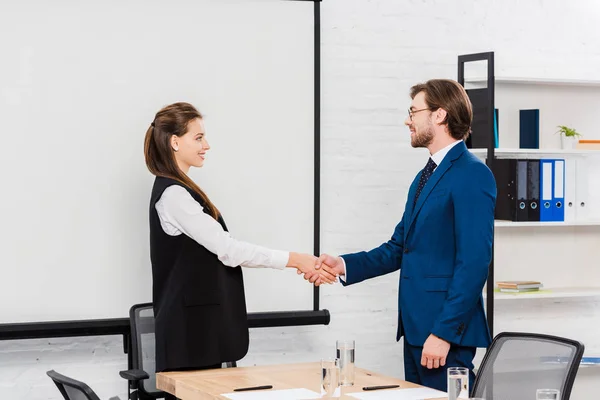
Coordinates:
(198,290)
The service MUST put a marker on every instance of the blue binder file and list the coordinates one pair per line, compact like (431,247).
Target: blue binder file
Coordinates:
(552,190)
(558,195)
(546,190)
(529,129)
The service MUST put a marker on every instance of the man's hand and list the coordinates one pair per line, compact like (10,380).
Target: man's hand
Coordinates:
(435,351)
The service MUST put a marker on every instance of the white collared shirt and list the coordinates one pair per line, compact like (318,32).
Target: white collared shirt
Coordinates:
(439,155)
(180,213)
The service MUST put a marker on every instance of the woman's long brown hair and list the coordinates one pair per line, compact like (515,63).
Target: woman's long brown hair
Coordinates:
(160,159)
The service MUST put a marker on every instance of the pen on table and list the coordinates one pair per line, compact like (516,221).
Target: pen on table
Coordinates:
(380,387)
(253,388)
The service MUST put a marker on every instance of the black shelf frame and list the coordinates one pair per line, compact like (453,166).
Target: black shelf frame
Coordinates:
(491,145)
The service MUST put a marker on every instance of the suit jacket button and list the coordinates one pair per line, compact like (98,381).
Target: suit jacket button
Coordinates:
(405,250)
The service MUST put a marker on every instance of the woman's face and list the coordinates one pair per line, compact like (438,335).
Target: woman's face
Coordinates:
(190,149)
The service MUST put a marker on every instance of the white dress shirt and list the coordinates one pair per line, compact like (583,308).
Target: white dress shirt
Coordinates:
(180,214)
(437,158)
(439,155)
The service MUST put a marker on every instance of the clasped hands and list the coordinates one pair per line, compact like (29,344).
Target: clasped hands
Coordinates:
(324,269)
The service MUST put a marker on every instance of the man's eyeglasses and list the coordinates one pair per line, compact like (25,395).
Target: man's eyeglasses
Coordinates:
(411,112)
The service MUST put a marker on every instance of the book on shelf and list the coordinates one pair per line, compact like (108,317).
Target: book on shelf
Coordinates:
(518,286)
(502,290)
(588,144)
(529,129)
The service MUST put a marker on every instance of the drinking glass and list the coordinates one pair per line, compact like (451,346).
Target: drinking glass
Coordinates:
(458,383)
(345,353)
(330,377)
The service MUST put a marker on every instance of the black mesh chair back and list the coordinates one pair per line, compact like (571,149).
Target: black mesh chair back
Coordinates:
(72,389)
(517,364)
(143,349)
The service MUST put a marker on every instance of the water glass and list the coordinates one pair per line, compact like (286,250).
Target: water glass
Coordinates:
(547,394)
(458,383)
(330,378)
(345,353)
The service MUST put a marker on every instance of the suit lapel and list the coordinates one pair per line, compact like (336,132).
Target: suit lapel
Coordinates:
(412,191)
(447,162)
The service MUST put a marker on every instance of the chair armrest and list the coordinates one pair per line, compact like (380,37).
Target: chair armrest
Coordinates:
(134,375)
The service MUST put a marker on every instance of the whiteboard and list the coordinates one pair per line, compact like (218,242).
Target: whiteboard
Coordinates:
(79,86)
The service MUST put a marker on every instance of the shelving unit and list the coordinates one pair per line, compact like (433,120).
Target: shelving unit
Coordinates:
(509,94)
(489,156)
(562,255)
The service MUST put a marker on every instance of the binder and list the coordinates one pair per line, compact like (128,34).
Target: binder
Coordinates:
(552,190)
(521,201)
(519,184)
(558,196)
(582,206)
(533,190)
(570,202)
(529,129)
(505,173)
(546,190)
(481,124)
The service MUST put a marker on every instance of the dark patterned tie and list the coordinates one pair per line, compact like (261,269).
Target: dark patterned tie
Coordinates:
(427,171)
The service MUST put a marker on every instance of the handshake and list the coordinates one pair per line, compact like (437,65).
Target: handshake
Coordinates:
(324,269)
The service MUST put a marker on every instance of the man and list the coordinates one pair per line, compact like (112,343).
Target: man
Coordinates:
(442,245)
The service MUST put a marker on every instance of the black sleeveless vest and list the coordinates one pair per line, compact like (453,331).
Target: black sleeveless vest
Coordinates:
(199,303)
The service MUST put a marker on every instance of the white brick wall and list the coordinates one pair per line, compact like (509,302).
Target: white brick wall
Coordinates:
(373,51)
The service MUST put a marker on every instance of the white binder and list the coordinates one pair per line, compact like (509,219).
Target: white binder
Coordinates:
(582,182)
(570,189)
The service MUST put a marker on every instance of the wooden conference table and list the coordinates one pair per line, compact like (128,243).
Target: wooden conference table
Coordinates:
(211,384)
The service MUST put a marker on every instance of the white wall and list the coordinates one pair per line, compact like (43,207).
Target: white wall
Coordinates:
(373,51)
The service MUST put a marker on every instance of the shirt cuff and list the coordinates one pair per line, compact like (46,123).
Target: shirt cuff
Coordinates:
(279,259)
(343,276)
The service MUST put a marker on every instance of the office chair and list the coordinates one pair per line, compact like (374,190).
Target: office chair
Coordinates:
(142,377)
(72,389)
(517,364)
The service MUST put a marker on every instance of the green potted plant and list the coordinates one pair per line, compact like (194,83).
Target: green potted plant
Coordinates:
(569,137)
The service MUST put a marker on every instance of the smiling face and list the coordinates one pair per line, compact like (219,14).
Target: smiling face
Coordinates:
(190,148)
(419,122)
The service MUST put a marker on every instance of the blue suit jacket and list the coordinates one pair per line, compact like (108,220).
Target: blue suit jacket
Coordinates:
(443,248)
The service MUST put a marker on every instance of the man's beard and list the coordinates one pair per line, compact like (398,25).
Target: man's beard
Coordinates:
(422,139)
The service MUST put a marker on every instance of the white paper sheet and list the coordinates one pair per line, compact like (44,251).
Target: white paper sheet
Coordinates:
(286,394)
(400,394)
